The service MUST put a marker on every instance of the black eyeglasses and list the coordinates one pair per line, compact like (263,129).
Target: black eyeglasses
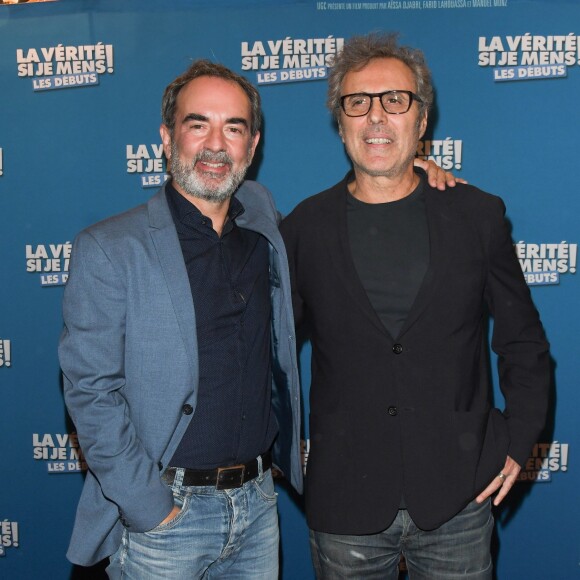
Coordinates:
(393,102)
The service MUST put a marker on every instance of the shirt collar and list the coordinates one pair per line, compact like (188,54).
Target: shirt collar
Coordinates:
(187,213)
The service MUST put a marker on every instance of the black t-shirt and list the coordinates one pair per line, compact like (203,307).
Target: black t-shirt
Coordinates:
(389,243)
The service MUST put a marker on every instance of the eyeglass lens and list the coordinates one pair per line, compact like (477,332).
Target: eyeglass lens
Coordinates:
(394,102)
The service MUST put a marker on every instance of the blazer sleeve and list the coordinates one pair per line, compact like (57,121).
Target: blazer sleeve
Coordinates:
(91,353)
(518,339)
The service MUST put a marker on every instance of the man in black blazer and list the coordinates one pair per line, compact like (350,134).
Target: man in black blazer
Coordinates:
(394,281)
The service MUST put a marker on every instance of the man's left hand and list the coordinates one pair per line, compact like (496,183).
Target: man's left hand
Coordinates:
(502,482)
(436,176)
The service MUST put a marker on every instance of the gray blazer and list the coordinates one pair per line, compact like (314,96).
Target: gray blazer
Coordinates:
(128,353)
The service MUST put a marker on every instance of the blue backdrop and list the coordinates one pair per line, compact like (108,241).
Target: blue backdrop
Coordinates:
(81,85)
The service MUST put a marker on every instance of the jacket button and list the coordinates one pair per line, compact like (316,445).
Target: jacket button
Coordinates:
(392,411)
(187,409)
(398,348)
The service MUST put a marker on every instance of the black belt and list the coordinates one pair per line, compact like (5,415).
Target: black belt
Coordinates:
(223,477)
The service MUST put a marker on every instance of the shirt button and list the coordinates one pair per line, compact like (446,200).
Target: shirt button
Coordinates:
(398,348)
(392,411)
(187,409)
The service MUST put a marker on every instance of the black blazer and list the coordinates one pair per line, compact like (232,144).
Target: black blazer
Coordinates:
(413,414)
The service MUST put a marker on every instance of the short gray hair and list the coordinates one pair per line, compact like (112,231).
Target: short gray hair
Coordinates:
(206,68)
(359,50)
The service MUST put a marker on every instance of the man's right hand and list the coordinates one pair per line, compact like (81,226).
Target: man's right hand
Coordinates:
(173,513)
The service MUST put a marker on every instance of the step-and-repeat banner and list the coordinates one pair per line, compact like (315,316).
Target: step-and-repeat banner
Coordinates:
(81,84)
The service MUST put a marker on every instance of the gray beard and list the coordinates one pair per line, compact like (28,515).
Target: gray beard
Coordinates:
(186,177)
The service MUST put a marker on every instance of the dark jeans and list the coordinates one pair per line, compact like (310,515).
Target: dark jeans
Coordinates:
(460,548)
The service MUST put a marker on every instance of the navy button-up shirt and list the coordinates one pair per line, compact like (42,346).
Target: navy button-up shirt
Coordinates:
(229,278)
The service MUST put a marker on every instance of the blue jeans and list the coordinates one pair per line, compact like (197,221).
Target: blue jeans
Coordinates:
(229,534)
(460,548)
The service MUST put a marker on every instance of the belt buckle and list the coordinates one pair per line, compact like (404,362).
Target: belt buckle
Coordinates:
(230,477)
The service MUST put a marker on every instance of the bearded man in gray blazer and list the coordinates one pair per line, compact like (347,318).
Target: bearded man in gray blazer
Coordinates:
(171,314)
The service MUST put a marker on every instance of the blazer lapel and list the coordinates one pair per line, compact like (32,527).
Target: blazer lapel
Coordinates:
(166,243)
(439,221)
(335,236)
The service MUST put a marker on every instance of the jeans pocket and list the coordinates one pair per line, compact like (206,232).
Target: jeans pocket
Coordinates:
(181,501)
(265,487)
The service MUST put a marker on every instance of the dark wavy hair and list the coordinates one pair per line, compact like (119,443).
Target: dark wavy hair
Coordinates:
(359,50)
(205,68)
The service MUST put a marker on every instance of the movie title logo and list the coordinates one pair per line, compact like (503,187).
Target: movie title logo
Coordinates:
(447,153)
(147,162)
(529,57)
(65,67)
(546,458)
(543,264)
(5,353)
(290,60)
(50,261)
(61,452)
(8,536)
